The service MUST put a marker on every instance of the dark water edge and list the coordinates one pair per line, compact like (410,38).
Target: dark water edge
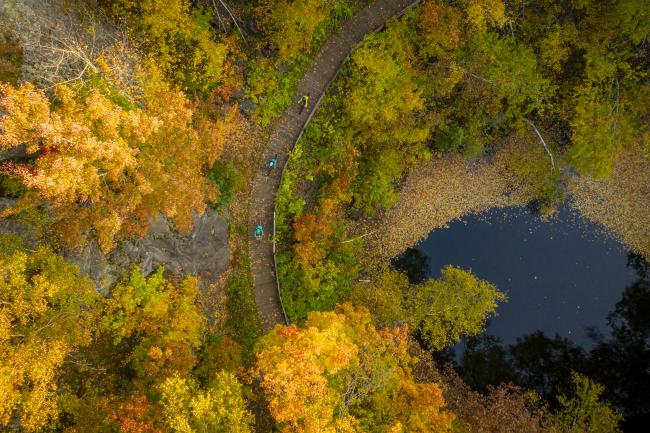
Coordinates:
(561,276)
(579,300)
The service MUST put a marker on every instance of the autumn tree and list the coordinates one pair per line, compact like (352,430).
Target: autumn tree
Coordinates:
(383,297)
(505,408)
(149,330)
(442,310)
(219,408)
(593,58)
(584,411)
(339,373)
(162,320)
(179,41)
(456,304)
(105,169)
(482,14)
(46,313)
(137,415)
(293,27)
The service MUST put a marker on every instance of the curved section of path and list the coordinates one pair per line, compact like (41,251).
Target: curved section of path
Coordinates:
(285,134)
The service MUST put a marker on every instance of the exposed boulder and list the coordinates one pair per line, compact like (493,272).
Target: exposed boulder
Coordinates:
(203,252)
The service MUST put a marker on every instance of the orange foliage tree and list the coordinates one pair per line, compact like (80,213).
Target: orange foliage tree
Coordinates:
(339,373)
(106,169)
(312,233)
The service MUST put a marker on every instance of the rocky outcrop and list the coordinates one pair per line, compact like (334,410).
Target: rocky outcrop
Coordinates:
(15,153)
(202,252)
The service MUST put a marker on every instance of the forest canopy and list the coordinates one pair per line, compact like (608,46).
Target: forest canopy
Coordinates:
(116,115)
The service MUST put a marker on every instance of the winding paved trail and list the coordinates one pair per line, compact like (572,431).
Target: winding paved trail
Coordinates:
(287,130)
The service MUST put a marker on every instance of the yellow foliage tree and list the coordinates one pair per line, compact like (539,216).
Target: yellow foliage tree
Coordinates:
(482,14)
(340,374)
(44,316)
(220,408)
(107,169)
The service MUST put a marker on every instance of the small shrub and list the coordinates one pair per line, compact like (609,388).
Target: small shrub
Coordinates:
(11,186)
(225,177)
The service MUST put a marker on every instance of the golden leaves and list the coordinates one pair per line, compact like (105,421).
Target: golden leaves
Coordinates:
(43,317)
(486,13)
(108,169)
(340,374)
(437,193)
(26,115)
(219,408)
(620,202)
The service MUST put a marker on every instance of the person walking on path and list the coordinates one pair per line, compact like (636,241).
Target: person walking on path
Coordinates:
(259,232)
(271,164)
(304,102)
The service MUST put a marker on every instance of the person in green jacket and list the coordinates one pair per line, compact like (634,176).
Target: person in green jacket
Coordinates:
(304,102)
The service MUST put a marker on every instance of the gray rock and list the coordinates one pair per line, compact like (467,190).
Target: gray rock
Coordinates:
(12,227)
(203,252)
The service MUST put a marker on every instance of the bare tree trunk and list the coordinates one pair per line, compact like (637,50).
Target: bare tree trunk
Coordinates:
(550,155)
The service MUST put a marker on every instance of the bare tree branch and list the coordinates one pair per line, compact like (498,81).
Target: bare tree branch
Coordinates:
(233,18)
(63,44)
(358,237)
(550,155)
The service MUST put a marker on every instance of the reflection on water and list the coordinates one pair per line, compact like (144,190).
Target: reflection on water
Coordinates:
(578,301)
(561,276)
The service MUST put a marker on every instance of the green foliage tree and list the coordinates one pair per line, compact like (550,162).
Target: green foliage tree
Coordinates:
(382,105)
(585,411)
(454,305)
(593,57)
(226,178)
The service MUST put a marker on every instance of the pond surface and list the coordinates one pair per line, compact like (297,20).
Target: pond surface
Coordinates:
(561,276)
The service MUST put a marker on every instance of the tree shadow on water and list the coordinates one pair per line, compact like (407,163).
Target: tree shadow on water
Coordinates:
(620,360)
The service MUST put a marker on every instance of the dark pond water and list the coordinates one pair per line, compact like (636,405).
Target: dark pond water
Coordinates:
(561,276)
